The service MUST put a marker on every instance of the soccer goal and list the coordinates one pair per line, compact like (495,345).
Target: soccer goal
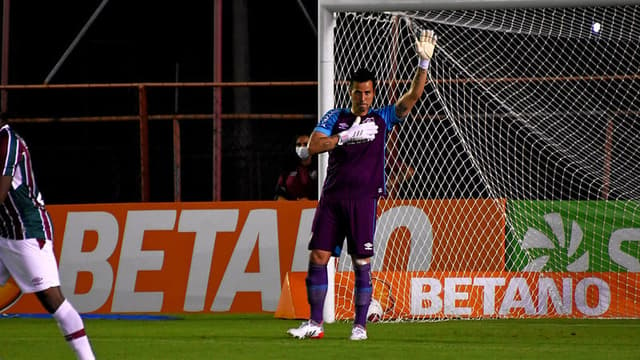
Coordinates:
(515,181)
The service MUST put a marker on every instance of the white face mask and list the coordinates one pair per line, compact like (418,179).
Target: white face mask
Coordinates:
(303,152)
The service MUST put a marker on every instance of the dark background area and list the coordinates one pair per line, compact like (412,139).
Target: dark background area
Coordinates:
(151,41)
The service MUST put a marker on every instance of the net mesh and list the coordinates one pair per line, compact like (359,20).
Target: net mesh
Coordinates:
(513,183)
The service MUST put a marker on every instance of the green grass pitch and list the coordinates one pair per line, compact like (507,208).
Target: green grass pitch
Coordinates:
(260,336)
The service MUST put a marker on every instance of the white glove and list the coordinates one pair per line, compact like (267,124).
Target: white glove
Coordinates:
(358,132)
(425,46)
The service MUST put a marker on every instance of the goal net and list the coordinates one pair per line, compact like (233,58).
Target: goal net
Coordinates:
(514,182)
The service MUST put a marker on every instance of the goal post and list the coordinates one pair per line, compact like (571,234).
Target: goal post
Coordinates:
(514,182)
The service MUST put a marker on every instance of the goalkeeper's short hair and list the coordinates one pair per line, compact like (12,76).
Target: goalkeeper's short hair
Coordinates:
(362,75)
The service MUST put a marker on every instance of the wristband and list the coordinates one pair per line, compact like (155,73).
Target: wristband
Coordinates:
(423,64)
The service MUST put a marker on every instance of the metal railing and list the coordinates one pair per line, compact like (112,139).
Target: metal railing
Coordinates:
(143,117)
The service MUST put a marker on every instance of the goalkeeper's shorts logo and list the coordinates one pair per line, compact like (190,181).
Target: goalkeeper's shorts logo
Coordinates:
(368,246)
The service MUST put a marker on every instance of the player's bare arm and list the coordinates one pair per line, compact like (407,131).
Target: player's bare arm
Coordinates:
(319,143)
(425,46)
(410,98)
(5,185)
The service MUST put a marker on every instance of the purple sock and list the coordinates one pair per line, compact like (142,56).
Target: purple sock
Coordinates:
(316,290)
(362,293)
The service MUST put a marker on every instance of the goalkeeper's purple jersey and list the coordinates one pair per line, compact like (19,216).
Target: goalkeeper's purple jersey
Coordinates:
(23,214)
(356,170)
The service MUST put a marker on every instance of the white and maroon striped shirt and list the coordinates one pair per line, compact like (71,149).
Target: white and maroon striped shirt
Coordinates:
(23,214)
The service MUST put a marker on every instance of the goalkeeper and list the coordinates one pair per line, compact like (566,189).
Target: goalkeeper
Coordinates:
(355,139)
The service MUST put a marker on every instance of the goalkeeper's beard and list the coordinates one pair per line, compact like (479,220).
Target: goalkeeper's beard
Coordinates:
(361,109)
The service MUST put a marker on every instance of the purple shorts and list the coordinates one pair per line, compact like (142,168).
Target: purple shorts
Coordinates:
(336,220)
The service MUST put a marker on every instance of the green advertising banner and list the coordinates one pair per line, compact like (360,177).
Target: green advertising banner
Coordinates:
(575,236)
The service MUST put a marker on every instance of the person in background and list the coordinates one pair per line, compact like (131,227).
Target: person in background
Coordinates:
(298,178)
(355,138)
(26,240)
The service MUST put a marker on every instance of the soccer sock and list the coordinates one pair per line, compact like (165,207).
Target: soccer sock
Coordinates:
(362,293)
(316,290)
(72,327)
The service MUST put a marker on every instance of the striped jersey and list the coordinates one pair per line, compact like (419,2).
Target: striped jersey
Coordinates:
(23,214)
(356,170)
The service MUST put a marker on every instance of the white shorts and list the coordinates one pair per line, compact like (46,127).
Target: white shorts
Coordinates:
(33,269)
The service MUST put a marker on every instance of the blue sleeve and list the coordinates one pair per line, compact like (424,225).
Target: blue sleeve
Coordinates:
(326,123)
(388,113)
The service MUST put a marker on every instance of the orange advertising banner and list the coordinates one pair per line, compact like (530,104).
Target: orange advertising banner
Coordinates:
(175,257)
(497,294)
(234,256)
(455,236)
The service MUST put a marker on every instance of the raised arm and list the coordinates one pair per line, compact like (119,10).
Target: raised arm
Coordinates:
(424,47)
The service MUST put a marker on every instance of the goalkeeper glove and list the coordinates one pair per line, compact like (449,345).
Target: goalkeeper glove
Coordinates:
(358,132)
(425,46)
